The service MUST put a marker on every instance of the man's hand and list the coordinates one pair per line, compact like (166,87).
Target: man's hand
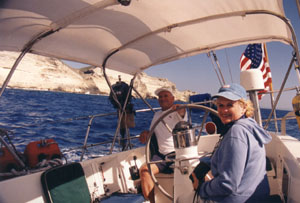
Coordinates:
(144,136)
(181,112)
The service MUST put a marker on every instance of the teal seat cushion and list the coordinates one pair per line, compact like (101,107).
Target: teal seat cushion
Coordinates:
(66,183)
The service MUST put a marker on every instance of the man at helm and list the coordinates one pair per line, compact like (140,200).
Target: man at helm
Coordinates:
(163,134)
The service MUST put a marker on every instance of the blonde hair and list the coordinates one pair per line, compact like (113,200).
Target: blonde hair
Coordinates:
(248,106)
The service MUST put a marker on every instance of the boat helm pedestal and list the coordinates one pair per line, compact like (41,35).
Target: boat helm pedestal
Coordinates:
(187,157)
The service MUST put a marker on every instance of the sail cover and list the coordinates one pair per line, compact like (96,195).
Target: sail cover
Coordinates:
(142,34)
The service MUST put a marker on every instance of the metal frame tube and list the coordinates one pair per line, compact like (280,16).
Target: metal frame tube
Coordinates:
(254,99)
(12,152)
(280,92)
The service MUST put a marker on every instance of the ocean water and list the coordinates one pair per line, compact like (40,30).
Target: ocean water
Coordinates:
(36,115)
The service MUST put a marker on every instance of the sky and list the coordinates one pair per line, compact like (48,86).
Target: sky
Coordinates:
(200,68)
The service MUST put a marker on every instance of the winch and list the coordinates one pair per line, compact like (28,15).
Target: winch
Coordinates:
(184,135)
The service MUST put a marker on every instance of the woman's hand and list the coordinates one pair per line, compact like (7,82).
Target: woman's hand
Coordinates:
(208,176)
(144,136)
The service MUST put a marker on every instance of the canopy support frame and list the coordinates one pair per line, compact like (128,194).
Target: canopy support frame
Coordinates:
(168,28)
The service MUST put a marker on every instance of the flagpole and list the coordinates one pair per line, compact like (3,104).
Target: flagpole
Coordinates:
(271,89)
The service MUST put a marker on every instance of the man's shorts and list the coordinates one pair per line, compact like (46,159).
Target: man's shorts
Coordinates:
(164,167)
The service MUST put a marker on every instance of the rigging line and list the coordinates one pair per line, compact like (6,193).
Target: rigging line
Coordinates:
(209,55)
(218,65)
(281,90)
(228,65)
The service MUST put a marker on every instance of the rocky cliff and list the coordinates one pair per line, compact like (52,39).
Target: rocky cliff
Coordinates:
(43,73)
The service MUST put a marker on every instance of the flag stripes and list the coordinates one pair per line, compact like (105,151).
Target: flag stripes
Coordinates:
(255,56)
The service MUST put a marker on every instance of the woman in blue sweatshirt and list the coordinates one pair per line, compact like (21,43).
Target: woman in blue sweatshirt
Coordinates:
(238,164)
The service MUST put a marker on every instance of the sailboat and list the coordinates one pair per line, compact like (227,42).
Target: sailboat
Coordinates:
(131,36)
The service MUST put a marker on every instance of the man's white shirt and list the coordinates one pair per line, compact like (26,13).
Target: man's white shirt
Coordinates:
(163,135)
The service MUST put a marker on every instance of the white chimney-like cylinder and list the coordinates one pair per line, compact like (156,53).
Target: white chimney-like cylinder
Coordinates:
(252,79)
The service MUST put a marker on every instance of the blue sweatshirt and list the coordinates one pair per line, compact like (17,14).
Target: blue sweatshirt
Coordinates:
(239,165)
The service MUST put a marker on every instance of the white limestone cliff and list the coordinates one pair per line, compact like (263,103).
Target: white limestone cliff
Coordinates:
(43,73)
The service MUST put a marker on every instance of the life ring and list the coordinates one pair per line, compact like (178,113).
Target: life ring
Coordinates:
(37,151)
(7,161)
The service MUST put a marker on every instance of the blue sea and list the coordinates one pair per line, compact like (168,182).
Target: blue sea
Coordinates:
(35,115)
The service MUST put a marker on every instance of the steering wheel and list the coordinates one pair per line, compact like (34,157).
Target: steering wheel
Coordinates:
(149,162)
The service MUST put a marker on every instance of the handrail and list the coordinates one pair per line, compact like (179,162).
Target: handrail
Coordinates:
(84,147)
(99,143)
(280,119)
(290,115)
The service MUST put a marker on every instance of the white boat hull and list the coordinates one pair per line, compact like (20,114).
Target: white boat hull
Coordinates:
(110,174)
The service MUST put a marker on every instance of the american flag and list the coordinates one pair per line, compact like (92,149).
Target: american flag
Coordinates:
(255,57)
